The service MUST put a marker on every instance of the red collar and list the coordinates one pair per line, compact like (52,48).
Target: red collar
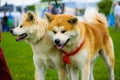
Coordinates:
(66,55)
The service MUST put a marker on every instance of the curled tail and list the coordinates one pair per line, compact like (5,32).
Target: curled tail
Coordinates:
(92,16)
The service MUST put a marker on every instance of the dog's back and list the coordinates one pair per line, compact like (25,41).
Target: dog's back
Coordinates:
(99,37)
(96,28)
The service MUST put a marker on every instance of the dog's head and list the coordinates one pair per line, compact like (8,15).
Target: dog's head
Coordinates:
(62,29)
(27,28)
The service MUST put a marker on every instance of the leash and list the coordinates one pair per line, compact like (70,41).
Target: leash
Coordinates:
(49,2)
(55,2)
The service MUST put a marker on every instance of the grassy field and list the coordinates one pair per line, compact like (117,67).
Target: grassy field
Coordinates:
(19,59)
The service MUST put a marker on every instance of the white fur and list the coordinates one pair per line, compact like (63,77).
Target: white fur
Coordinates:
(91,15)
(44,53)
(18,31)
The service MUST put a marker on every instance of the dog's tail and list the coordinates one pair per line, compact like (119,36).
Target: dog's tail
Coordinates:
(92,16)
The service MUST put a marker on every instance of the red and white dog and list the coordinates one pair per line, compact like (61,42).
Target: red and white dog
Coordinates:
(82,42)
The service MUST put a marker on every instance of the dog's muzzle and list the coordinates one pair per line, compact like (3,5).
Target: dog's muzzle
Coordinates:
(20,37)
(59,45)
(57,41)
(11,31)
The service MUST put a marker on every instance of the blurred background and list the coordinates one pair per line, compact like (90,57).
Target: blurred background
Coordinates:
(14,8)
(19,54)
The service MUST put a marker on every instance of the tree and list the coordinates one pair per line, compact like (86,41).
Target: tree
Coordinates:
(105,6)
(31,7)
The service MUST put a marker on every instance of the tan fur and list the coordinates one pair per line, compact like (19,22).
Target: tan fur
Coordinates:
(45,55)
(96,40)
(58,21)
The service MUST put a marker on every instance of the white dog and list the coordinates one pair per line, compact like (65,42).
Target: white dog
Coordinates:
(33,30)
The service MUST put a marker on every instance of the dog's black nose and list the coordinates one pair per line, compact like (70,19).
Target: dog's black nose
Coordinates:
(57,41)
(11,31)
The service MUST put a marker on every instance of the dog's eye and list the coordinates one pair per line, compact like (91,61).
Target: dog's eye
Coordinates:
(54,32)
(63,31)
(21,26)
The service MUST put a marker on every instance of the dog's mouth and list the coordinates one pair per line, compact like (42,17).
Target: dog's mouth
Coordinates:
(60,46)
(21,37)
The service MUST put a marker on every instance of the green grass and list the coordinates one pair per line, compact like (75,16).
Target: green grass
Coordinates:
(19,58)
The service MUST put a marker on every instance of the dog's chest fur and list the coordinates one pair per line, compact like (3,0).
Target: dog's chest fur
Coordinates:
(79,59)
(45,60)
(45,54)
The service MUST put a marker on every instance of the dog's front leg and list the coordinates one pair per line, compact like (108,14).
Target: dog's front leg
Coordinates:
(85,71)
(40,73)
(62,73)
(36,75)
(73,73)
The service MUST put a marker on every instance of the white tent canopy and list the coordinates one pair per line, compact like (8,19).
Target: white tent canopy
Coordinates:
(19,2)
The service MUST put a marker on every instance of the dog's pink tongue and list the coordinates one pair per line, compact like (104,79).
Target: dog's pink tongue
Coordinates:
(19,38)
(59,46)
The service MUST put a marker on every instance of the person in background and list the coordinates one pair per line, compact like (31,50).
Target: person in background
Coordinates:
(116,15)
(10,20)
(62,7)
(4,23)
(43,12)
(4,70)
(50,9)
(77,12)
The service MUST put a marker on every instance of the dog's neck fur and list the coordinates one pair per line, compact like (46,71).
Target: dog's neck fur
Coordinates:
(39,34)
(34,39)
(44,44)
(41,38)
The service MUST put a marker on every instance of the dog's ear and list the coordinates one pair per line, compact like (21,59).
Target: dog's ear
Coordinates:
(49,17)
(30,16)
(73,20)
(24,15)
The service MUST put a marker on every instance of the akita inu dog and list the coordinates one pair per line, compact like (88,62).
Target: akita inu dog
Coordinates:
(45,54)
(82,42)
